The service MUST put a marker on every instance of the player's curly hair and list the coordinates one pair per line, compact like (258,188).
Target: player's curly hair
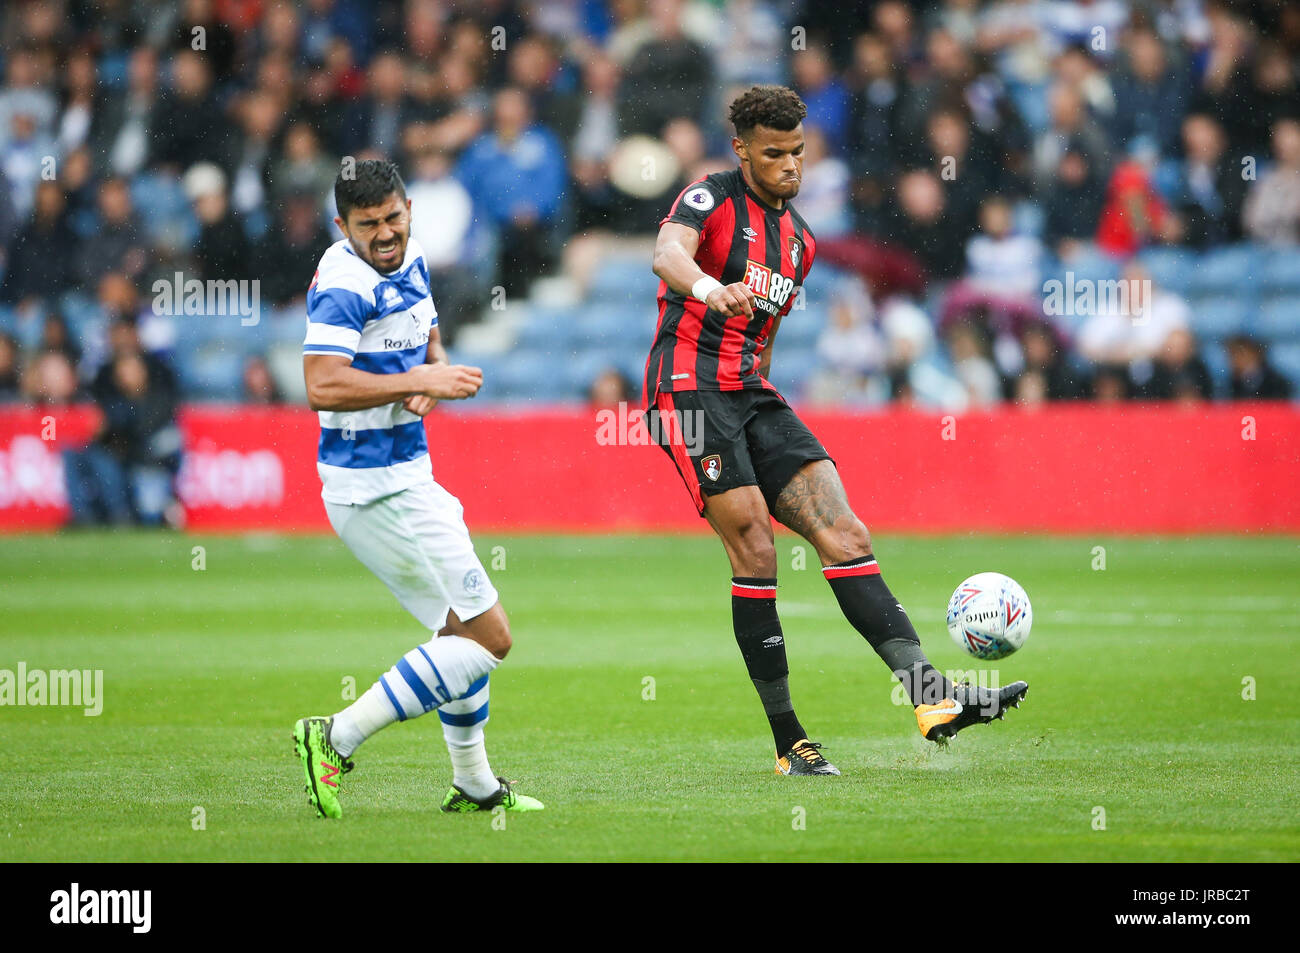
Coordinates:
(777,107)
(367,183)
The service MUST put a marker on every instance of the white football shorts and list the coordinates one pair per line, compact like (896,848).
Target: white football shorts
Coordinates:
(416,542)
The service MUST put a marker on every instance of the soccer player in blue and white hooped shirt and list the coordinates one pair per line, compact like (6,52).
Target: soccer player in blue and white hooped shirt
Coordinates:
(375,365)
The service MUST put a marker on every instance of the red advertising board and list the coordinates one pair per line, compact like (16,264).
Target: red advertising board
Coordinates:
(1070,468)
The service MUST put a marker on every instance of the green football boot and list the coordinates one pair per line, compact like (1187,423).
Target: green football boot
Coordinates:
(458,802)
(322,765)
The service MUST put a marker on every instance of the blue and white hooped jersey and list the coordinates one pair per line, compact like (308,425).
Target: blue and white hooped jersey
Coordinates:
(382,322)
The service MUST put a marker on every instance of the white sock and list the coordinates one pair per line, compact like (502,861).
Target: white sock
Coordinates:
(462,728)
(430,675)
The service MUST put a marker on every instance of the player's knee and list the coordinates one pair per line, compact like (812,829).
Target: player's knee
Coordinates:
(755,551)
(847,538)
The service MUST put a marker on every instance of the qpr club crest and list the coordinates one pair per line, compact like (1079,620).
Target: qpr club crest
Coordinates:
(417,282)
(473,582)
(795,247)
(712,466)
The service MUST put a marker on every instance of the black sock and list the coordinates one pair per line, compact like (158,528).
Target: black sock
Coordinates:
(758,633)
(872,609)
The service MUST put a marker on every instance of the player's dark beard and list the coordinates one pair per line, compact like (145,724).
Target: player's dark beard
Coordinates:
(367,254)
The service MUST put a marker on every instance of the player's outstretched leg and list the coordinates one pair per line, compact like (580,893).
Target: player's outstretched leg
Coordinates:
(814,505)
(741,520)
(970,705)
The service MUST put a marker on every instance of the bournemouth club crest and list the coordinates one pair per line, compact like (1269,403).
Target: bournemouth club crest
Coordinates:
(712,466)
(796,247)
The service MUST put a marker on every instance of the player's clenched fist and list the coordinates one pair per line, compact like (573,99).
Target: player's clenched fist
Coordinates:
(732,299)
(447,381)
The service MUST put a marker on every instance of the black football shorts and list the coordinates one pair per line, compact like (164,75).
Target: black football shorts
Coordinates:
(720,440)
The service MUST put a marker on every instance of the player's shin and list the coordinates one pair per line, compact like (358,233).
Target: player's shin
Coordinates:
(872,609)
(758,633)
(428,676)
(463,721)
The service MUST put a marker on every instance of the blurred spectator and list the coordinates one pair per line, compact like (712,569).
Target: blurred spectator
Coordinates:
(958,154)
(1207,189)
(259,384)
(535,67)
(1001,262)
(375,120)
(610,388)
(40,262)
(259,120)
(288,253)
(442,221)
(1275,95)
(515,176)
(878,84)
(56,337)
(851,348)
(23,96)
(25,159)
(222,250)
(1030,389)
(49,379)
(1003,279)
(198,23)
(1070,129)
(10,367)
(1134,215)
(1110,384)
(1272,212)
(1225,83)
(117,243)
(1178,373)
(1150,94)
(1074,205)
(968,347)
(666,74)
(922,225)
(80,101)
(303,167)
(1252,377)
(125,473)
(824,94)
(1045,358)
(181,130)
(1133,324)
(122,142)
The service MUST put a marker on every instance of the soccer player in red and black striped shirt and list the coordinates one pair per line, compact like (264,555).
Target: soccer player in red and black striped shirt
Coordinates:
(732,255)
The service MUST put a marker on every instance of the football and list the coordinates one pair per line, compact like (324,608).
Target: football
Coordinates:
(989,615)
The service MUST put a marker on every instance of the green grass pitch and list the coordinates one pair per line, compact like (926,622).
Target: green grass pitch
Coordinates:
(1136,706)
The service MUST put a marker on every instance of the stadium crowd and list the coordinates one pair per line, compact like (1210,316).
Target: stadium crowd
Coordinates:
(959,154)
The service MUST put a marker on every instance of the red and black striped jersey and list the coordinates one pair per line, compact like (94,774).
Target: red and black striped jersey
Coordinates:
(741,239)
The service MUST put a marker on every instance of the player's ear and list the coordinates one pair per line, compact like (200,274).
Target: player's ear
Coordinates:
(739,148)
(343,227)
